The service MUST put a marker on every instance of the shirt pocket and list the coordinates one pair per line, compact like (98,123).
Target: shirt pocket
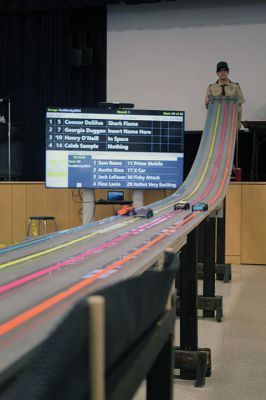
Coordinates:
(231,90)
(217,91)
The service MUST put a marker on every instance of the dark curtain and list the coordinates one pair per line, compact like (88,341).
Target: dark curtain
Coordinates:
(29,5)
(50,58)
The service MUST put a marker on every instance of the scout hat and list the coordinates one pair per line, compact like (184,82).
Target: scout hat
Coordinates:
(222,65)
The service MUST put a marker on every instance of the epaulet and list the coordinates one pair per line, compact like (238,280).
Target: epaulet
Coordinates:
(236,83)
(211,84)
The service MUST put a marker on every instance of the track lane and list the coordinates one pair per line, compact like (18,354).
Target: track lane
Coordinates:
(215,191)
(120,224)
(29,277)
(129,233)
(18,251)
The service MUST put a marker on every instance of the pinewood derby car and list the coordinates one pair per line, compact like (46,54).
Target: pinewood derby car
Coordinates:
(145,213)
(200,207)
(127,209)
(181,205)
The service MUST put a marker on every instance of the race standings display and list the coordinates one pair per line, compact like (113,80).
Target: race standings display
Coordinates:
(96,148)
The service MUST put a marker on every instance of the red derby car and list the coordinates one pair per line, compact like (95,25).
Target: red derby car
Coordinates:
(127,209)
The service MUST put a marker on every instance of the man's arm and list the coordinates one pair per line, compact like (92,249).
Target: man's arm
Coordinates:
(239,116)
(207,97)
(241,100)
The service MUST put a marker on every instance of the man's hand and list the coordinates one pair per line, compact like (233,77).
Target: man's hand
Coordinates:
(207,98)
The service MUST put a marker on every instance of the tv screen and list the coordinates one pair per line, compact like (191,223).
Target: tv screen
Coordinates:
(115,196)
(113,149)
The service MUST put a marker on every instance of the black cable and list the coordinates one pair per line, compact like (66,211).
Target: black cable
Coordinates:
(79,196)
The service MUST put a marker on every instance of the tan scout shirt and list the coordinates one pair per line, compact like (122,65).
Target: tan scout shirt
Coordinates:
(230,88)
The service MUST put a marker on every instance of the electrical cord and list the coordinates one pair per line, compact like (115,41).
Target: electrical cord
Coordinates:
(78,198)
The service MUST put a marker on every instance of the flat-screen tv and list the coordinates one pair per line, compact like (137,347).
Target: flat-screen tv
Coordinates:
(115,196)
(114,149)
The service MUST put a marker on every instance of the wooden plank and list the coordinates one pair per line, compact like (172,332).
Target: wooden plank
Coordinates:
(233,259)
(253,224)
(103,211)
(19,212)
(6,214)
(96,316)
(57,205)
(36,201)
(20,200)
(233,221)
(151,196)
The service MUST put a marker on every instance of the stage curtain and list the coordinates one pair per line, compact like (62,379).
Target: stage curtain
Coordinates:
(44,5)
(38,68)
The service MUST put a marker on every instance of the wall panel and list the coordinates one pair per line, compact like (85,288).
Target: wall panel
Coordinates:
(245,214)
(19,216)
(233,224)
(164,55)
(57,204)
(20,200)
(6,214)
(253,249)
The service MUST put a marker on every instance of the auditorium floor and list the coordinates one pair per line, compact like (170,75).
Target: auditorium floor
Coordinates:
(238,344)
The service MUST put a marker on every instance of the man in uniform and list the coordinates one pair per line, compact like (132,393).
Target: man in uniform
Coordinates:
(224,87)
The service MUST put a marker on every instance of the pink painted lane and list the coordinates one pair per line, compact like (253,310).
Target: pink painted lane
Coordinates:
(11,285)
(218,159)
(73,260)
